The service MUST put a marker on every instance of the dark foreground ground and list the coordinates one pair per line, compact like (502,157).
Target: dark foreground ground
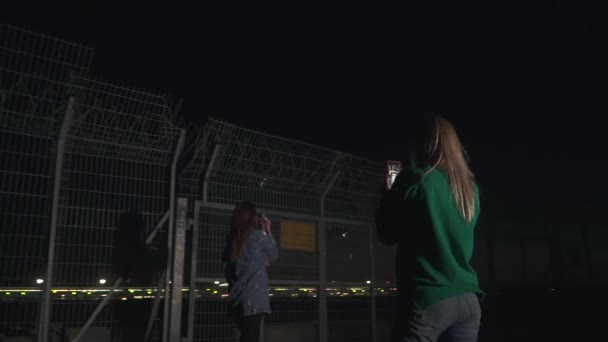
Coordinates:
(576,315)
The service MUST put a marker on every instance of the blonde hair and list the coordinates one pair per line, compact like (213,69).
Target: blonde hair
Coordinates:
(437,144)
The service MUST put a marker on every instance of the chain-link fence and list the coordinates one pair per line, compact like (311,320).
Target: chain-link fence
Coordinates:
(321,203)
(79,153)
(117,160)
(76,154)
(35,74)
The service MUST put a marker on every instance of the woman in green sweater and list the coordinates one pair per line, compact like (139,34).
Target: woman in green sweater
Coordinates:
(430,214)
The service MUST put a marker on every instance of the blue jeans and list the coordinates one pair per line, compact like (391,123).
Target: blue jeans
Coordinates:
(455,319)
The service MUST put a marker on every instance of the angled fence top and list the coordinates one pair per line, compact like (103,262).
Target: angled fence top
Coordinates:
(279,173)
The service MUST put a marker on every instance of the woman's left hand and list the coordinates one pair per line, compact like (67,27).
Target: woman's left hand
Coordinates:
(266,225)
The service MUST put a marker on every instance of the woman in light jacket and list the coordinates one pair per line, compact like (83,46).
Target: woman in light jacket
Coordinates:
(250,246)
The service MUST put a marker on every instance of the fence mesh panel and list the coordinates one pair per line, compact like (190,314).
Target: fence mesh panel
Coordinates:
(35,71)
(290,179)
(119,147)
(117,160)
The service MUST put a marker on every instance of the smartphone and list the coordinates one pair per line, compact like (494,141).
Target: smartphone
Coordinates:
(393,168)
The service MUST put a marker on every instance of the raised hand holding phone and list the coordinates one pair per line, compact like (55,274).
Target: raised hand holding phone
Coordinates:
(393,168)
(266,225)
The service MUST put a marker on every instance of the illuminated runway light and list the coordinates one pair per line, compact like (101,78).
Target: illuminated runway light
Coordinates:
(102,281)
(39,281)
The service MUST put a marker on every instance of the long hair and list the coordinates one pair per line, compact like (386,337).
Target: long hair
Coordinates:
(240,229)
(435,143)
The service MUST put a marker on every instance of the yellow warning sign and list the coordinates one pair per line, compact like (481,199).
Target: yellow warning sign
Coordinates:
(299,236)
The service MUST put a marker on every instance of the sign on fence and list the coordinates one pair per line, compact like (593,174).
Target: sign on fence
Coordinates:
(299,236)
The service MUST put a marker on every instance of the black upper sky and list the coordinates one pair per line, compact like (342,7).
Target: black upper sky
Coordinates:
(524,82)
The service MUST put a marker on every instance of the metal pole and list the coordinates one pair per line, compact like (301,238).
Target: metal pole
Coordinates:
(323,316)
(175,324)
(97,311)
(43,329)
(372,289)
(193,270)
(210,168)
(178,150)
(156,229)
(155,307)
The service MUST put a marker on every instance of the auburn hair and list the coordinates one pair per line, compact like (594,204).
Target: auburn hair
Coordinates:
(241,228)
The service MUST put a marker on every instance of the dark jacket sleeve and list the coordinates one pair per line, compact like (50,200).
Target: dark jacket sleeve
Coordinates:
(397,207)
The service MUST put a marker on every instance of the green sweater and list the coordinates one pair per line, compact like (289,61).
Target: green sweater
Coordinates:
(435,244)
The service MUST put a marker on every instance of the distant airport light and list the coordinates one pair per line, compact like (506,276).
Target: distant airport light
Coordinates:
(39,281)
(102,281)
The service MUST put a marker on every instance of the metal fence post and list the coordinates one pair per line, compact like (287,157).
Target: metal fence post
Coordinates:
(323,324)
(323,316)
(170,234)
(46,296)
(177,282)
(212,161)
(372,289)
(193,270)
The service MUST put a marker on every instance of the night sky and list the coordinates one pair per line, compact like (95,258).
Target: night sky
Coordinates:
(524,82)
